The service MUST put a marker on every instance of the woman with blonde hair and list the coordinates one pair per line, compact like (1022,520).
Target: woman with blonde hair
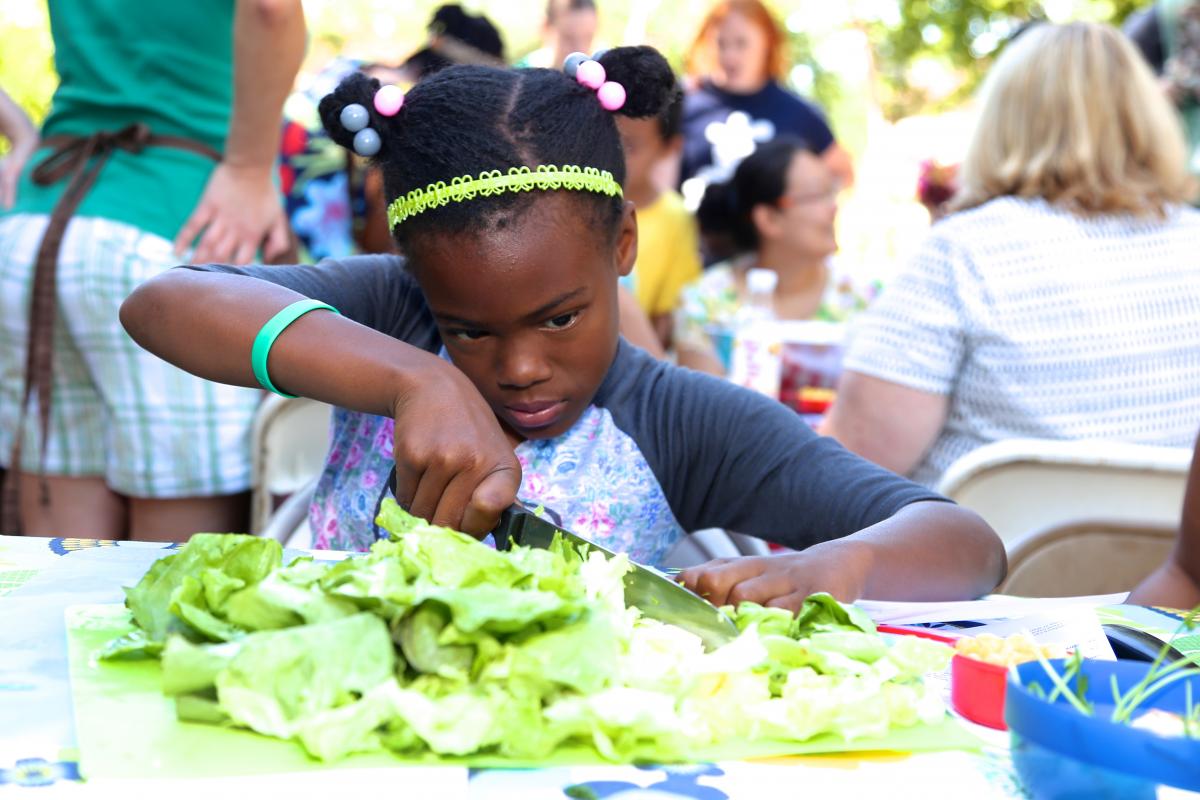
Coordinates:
(1061,298)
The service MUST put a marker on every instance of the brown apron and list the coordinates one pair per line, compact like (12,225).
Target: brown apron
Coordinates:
(80,159)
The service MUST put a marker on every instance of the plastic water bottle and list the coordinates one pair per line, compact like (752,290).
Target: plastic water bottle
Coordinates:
(757,345)
(760,294)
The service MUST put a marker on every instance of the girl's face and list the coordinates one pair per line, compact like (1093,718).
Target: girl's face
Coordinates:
(741,55)
(803,218)
(529,312)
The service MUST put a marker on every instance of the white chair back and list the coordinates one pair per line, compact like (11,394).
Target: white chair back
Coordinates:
(1087,557)
(709,543)
(289,440)
(1023,486)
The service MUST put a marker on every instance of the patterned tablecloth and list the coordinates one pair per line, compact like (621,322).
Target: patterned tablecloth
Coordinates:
(39,578)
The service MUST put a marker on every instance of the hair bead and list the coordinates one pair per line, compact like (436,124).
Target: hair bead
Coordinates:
(571,63)
(354,117)
(590,74)
(611,95)
(389,100)
(366,142)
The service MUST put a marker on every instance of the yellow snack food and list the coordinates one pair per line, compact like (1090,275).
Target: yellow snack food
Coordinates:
(1004,652)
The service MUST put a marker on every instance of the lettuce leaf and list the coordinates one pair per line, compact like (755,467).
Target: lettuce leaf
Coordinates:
(182,585)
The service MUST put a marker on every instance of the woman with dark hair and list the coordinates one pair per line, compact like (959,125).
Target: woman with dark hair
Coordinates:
(737,63)
(777,213)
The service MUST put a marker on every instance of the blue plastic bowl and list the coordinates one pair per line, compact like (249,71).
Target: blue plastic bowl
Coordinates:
(1060,753)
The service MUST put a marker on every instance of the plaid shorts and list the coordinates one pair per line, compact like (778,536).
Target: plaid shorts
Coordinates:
(118,412)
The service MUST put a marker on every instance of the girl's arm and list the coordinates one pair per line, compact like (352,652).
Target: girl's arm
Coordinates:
(454,463)
(925,551)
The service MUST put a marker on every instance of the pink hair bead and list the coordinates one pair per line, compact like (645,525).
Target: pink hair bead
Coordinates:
(611,95)
(590,74)
(388,100)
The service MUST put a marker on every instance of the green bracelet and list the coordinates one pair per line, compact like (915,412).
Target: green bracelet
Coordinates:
(270,332)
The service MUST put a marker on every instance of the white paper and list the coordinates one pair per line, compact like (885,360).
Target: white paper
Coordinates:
(991,608)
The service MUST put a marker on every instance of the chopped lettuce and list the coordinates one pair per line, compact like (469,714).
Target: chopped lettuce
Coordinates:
(433,643)
(196,580)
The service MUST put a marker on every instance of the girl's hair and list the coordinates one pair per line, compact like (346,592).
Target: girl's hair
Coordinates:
(1072,114)
(702,56)
(761,179)
(466,120)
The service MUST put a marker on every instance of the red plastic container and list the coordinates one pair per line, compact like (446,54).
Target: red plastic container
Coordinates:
(977,690)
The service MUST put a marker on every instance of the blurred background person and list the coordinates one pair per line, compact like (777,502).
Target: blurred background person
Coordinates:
(737,63)
(569,27)
(455,37)
(22,136)
(778,210)
(1059,300)
(162,134)
(334,202)
(1168,34)
(1176,584)
(668,256)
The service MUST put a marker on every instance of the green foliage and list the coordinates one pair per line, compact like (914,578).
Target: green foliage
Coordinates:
(908,40)
(963,36)
(26,58)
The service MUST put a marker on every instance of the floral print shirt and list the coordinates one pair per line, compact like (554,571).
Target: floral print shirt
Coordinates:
(592,480)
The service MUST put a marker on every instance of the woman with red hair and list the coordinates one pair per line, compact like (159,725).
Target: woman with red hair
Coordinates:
(738,102)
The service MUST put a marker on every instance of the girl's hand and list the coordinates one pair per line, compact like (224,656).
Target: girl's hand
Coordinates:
(454,464)
(784,581)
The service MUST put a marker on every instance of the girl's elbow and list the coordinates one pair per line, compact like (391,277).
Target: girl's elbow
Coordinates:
(145,303)
(131,312)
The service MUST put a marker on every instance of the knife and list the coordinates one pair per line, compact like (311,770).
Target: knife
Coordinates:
(653,592)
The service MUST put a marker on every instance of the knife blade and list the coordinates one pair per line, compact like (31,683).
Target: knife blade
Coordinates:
(654,593)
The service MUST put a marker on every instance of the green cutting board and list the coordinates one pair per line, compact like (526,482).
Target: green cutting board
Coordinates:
(127,728)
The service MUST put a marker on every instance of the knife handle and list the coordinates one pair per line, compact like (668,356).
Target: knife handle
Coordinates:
(508,530)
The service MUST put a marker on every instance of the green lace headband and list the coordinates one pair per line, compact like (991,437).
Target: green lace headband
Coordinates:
(517,179)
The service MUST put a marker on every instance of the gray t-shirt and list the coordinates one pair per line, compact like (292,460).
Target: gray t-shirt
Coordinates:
(661,450)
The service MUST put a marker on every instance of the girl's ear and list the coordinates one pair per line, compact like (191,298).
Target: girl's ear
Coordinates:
(626,250)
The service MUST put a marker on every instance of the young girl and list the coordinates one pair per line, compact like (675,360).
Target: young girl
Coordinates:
(512,279)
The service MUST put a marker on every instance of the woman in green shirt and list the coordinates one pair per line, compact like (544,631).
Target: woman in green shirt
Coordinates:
(162,135)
